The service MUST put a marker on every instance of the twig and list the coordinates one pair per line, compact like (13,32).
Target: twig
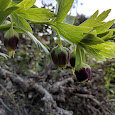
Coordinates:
(49,102)
(90,97)
(56,86)
(16,105)
(14,78)
(103,108)
(5,105)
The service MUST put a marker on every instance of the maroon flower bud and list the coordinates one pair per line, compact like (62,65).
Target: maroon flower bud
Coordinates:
(11,44)
(11,39)
(60,56)
(72,59)
(83,74)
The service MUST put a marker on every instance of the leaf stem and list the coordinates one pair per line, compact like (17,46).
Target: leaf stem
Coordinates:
(11,23)
(60,44)
(74,47)
(79,51)
(78,60)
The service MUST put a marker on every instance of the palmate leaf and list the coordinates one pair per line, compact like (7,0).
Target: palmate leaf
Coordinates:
(25,4)
(102,28)
(91,38)
(5,13)
(63,6)
(5,27)
(69,19)
(101,51)
(107,35)
(70,32)
(17,1)
(96,20)
(4,4)
(36,14)
(21,22)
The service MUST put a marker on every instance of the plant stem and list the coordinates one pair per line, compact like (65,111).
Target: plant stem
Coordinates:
(80,55)
(74,47)
(11,23)
(78,60)
(60,44)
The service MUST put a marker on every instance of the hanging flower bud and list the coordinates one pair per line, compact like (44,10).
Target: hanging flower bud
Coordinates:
(84,73)
(72,59)
(60,56)
(11,39)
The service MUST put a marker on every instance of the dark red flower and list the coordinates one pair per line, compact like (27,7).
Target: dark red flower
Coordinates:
(72,59)
(11,43)
(84,74)
(60,56)
(11,39)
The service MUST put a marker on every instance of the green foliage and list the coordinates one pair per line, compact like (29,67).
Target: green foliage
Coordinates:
(69,19)
(91,34)
(17,1)
(25,4)
(4,27)
(80,56)
(95,20)
(5,13)
(3,55)
(103,27)
(101,51)
(36,14)
(37,42)
(4,4)
(63,6)
(92,39)
(110,79)
(72,33)
(21,22)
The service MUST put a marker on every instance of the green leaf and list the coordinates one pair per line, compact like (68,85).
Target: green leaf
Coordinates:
(69,19)
(104,27)
(4,55)
(102,16)
(108,36)
(19,30)
(94,21)
(89,21)
(5,13)
(4,4)
(36,14)
(4,27)
(92,39)
(25,4)
(70,32)
(36,41)
(63,8)
(17,1)
(93,52)
(101,51)
(21,22)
